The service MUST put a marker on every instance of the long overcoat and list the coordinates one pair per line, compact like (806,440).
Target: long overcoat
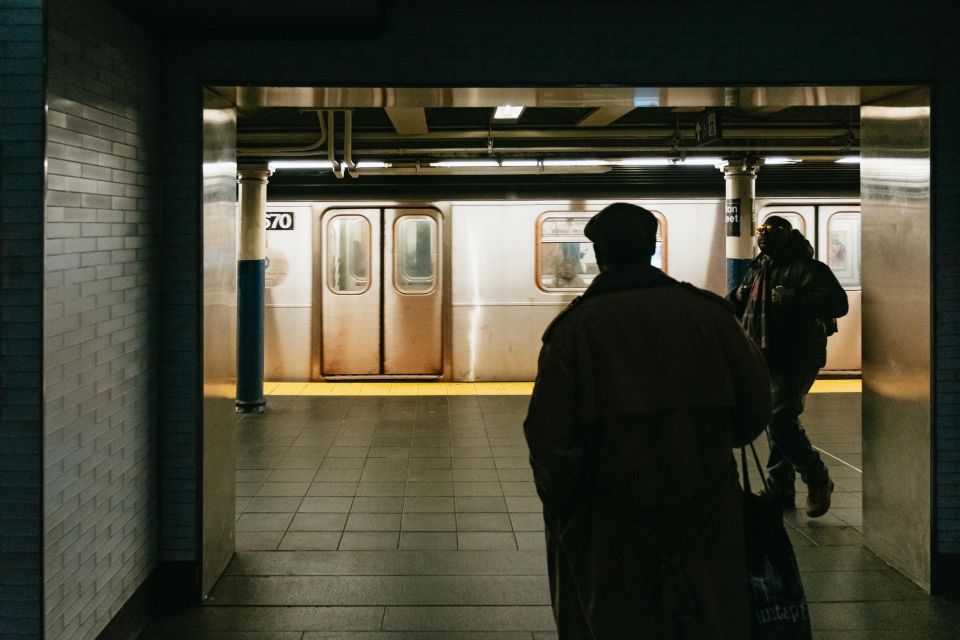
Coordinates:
(644,385)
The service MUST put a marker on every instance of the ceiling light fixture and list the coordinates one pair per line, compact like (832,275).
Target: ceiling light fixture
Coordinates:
(465,163)
(848,160)
(642,162)
(700,161)
(507,112)
(575,163)
(781,160)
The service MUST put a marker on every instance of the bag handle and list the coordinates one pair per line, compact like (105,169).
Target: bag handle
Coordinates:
(743,467)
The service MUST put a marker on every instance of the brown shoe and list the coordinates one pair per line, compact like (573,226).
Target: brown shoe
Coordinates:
(818,499)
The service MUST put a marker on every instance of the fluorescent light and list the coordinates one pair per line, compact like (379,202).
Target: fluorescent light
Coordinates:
(642,162)
(575,163)
(507,112)
(466,163)
(519,163)
(299,164)
(371,164)
(780,160)
(700,161)
(848,160)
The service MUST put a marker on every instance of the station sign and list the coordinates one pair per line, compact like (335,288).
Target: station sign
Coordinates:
(707,128)
(280,221)
(732,217)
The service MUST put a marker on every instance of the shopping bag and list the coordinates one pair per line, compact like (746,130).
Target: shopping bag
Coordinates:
(778,607)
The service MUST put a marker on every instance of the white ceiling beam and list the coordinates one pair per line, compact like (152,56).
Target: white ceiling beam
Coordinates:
(408,121)
(602,116)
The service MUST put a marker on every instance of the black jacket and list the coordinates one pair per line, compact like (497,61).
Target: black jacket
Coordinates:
(812,298)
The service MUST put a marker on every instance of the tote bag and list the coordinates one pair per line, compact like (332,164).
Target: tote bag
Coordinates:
(778,607)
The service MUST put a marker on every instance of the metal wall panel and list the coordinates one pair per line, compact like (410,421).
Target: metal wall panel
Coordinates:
(219,337)
(895,183)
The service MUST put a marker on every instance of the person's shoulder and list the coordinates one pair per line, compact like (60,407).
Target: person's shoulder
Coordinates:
(562,317)
(708,296)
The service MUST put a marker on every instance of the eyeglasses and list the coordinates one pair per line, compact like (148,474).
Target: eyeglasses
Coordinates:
(767,228)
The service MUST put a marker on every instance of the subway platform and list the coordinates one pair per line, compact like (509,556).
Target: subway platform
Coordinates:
(375,512)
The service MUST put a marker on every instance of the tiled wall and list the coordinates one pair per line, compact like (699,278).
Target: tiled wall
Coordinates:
(21,300)
(101,316)
(946,232)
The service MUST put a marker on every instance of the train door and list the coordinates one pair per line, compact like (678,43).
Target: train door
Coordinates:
(834,233)
(381,299)
(839,246)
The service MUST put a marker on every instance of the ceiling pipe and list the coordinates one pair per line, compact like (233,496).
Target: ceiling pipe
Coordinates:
(334,165)
(314,149)
(686,132)
(348,144)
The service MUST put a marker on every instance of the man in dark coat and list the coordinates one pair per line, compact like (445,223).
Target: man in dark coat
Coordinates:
(789,303)
(644,385)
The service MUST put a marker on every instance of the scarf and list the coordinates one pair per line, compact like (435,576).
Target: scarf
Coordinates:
(754,320)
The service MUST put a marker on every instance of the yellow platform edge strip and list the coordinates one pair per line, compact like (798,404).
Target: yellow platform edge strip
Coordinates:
(461,388)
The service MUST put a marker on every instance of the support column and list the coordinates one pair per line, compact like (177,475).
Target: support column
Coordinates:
(251,267)
(741,177)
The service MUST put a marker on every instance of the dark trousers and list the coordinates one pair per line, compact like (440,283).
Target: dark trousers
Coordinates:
(790,449)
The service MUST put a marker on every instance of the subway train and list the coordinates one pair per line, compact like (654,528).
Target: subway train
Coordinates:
(462,290)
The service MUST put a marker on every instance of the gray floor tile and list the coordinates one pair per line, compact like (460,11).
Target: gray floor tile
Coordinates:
(337,475)
(415,488)
(258,540)
(519,462)
(474,463)
(427,504)
(431,462)
(440,452)
(475,475)
(192,622)
(253,475)
(274,504)
(383,475)
(378,504)
(428,540)
(523,504)
(373,522)
(371,489)
(326,504)
(430,475)
(248,489)
(309,541)
(468,619)
(477,489)
(360,540)
(264,521)
(485,540)
(530,540)
(319,489)
(318,522)
(483,522)
(291,475)
(527,521)
(277,489)
(343,463)
(518,488)
(240,504)
(515,475)
(429,522)
(481,504)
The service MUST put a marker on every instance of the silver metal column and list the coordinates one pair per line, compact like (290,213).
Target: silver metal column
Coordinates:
(897,412)
(741,177)
(251,270)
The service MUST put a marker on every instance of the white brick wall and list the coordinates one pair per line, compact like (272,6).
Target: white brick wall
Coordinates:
(21,299)
(101,317)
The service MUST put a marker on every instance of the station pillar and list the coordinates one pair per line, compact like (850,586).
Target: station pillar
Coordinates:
(251,269)
(740,176)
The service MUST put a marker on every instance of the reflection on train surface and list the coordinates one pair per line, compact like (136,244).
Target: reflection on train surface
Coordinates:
(462,290)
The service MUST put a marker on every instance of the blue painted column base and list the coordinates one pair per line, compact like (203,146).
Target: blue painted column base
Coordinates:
(250,285)
(736,269)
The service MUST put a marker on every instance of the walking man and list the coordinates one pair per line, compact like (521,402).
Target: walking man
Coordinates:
(644,385)
(789,303)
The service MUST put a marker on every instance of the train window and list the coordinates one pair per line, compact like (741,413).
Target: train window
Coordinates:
(843,250)
(415,254)
(348,254)
(566,258)
(795,219)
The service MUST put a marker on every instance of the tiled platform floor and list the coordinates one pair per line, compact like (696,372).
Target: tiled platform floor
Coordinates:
(381,518)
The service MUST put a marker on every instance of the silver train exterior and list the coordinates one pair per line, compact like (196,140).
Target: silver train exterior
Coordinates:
(478,281)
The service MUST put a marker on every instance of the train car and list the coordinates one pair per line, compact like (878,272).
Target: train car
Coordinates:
(461,290)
